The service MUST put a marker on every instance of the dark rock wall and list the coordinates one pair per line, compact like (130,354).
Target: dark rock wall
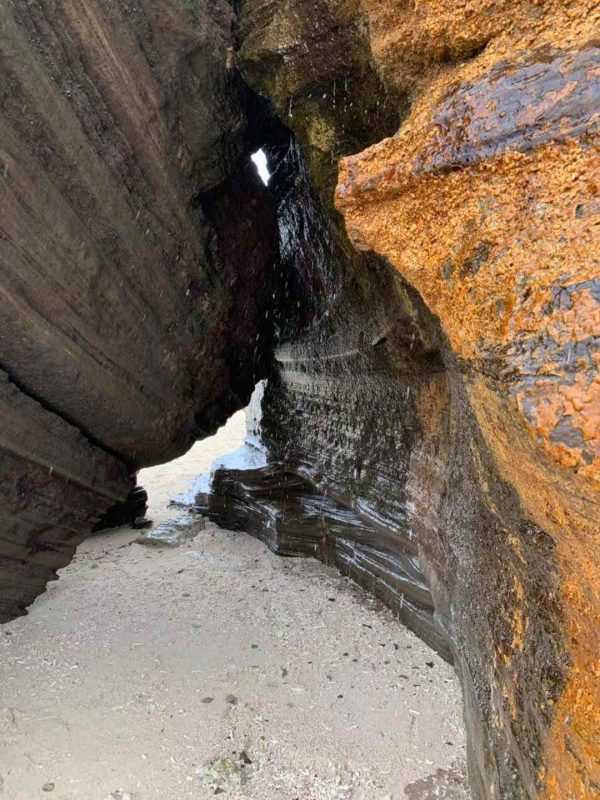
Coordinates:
(54,485)
(116,279)
(435,431)
(368,456)
(313,61)
(136,246)
(339,415)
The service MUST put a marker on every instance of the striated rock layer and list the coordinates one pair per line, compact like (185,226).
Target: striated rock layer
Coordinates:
(454,409)
(504,150)
(429,331)
(136,250)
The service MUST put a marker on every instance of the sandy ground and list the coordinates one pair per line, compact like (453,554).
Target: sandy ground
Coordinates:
(218,668)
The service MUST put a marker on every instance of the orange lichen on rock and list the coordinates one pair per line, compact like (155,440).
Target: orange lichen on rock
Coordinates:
(499,258)
(517,250)
(572,766)
(487,202)
(556,501)
(416,40)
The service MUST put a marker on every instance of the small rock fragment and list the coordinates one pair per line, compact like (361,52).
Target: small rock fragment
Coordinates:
(141,523)
(224,773)
(174,532)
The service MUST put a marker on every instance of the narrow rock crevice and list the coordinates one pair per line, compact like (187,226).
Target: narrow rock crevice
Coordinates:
(391,440)
(364,452)
(417,286)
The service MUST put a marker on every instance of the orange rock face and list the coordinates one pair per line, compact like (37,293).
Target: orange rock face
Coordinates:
(487,202)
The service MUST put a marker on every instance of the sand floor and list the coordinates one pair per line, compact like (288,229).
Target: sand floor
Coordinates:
(218,668)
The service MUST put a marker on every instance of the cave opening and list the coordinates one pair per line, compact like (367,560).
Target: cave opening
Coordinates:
(259,159)
(171,486)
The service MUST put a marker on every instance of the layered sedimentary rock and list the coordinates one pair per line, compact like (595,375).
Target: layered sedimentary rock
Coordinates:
(135,248)
(505,150)
(54,484)
(465,428)
(429,331)
(327,466)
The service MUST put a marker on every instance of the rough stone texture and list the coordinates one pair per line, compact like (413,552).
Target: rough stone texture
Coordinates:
(505,150)
(370,457)
(136,241)
(54,485)
(312,60)
(468,427)
(431,419)
(300,488)
(120,334)
(130,511)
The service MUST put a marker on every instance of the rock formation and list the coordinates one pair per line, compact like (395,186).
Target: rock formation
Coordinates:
(136,246)
(504,149)
(469,423)
(429,330)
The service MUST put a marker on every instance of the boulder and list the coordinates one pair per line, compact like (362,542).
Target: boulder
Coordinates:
(136,250)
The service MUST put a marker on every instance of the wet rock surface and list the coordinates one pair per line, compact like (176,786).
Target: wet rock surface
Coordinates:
(173,533)
(463,428)
(503,146)
(430,424)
